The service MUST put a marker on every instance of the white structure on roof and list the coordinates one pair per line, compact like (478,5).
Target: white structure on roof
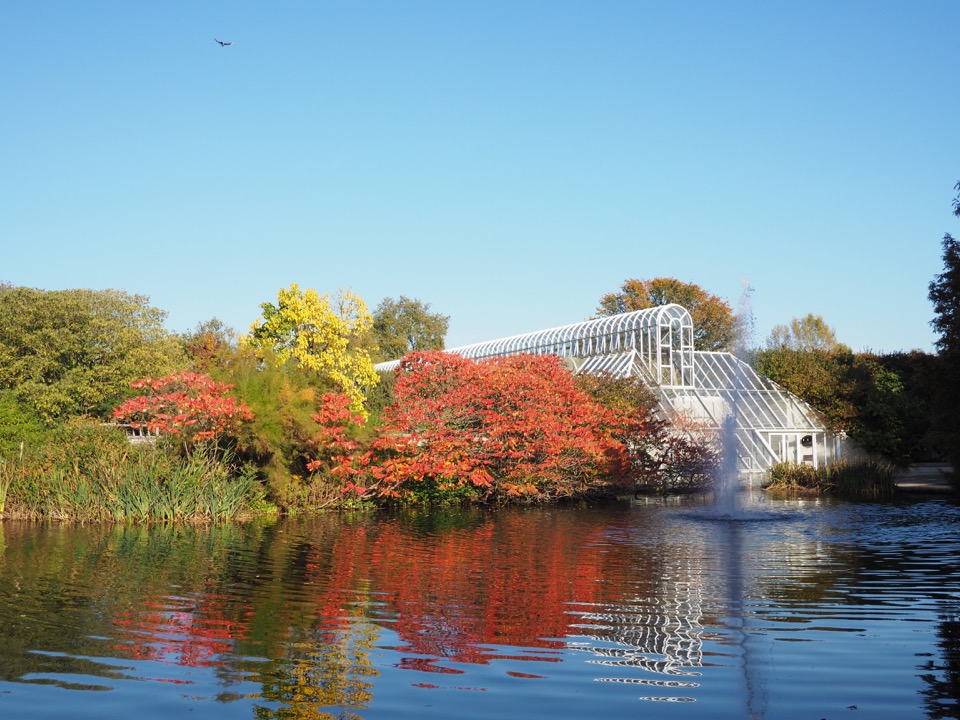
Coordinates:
(656,344)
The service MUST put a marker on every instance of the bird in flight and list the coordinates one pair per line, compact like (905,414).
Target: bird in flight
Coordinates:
(222,43)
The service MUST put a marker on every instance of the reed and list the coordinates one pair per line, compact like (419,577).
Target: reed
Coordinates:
(130,485)
(6,477)
(869,479)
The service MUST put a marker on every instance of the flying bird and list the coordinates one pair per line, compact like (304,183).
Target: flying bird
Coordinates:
(222,43)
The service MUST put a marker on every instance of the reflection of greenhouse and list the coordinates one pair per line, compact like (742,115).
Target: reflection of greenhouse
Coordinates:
(697,390)
(660,635)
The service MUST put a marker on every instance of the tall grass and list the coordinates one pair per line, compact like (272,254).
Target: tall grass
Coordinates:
(6,477)
(870,479)
(129,484)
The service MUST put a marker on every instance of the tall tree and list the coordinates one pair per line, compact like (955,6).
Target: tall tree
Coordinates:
(945,296)
(714,324)
(323,336)
(945,291)
(810,332)
(406,325)
(210,343)
(75,352)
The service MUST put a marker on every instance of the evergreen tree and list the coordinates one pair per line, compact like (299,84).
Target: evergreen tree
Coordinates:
(945,291)
(945,296)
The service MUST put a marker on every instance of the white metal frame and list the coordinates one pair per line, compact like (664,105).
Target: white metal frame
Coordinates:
(661,337)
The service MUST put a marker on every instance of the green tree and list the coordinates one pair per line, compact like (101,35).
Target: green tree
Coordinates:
(326,337)
(876,400)
(74,352)
(19,425)
(406,325)
(810,332)
(714,324)
(821,378)
(944,293)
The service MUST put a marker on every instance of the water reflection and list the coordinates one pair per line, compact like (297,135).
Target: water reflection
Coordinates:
(360,616)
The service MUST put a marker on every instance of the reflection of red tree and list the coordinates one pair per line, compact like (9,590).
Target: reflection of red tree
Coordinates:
(456,594)
(176,631)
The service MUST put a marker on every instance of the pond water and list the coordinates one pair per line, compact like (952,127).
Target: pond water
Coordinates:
(652,609)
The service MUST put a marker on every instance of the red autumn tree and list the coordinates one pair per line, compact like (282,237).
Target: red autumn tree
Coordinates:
(495,429)
(337,451)
(191,405)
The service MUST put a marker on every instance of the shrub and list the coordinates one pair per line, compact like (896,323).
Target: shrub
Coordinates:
(192,406)
(870,479)
(503,429)
(19,426)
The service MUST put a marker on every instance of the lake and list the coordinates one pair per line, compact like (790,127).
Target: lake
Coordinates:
(654,608)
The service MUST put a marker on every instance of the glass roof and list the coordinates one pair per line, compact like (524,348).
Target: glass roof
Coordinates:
(662,338)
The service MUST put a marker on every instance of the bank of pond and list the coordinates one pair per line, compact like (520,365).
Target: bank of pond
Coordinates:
(109,481)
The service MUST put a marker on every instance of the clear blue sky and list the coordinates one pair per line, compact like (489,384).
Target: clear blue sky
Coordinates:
(507,162)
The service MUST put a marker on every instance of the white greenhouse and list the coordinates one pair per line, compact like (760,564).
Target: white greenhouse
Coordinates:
(695,389)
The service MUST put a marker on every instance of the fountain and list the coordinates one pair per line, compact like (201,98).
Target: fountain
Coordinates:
(726,483)
(727,490)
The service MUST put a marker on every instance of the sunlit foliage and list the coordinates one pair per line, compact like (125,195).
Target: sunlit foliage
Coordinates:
(715,327)
(810,332)
(406,325)
(191,405)
(492,430)
(73,352)
(324,336)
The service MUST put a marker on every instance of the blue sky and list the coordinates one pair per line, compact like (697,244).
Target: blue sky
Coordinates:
(506,162)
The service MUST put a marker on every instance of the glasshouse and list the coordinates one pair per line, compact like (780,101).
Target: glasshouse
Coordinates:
(699,391)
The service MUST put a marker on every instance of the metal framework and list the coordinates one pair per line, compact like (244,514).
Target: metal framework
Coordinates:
(701,388)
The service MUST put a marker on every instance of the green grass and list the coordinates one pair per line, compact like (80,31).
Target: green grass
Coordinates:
(129,484)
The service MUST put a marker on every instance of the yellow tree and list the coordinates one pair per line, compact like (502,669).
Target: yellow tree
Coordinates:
(323,336)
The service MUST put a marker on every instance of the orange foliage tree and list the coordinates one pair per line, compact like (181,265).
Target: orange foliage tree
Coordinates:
(492,430)
(715,325)
(188,404)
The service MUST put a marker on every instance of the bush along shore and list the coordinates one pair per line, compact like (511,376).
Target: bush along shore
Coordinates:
(514,430)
